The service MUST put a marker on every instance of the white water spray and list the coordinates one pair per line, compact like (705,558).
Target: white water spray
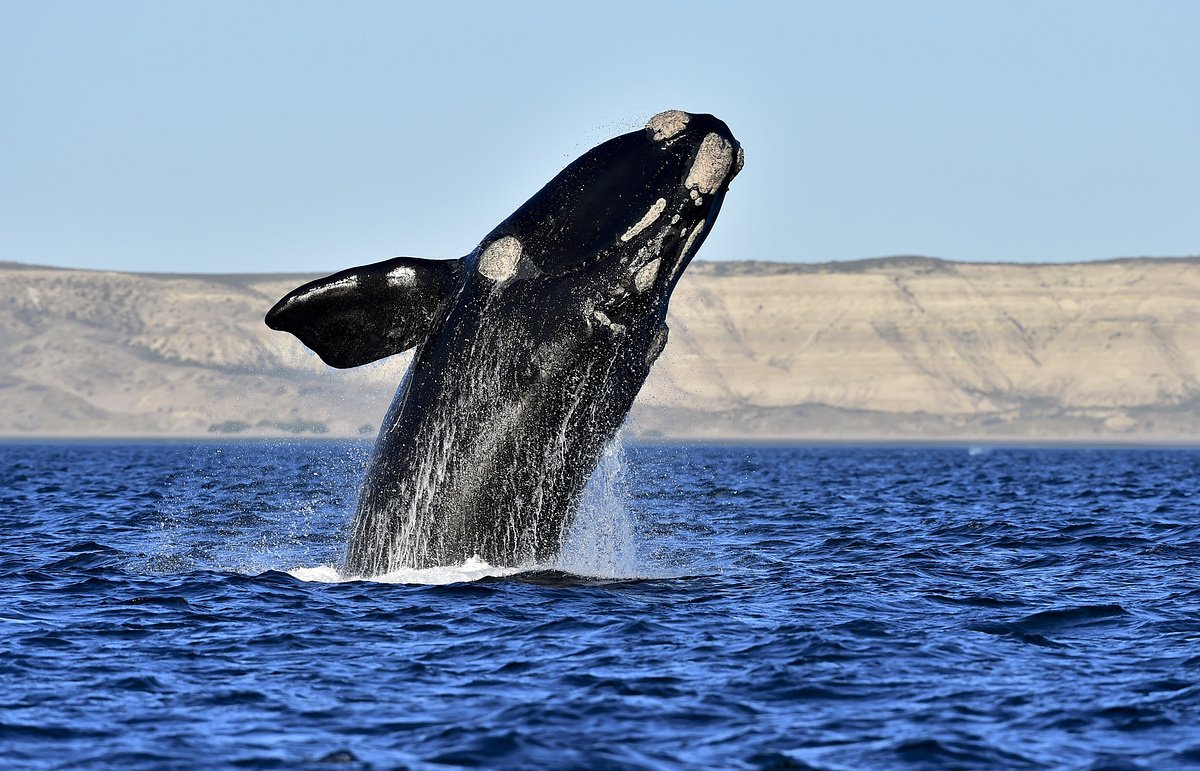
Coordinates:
(603,541)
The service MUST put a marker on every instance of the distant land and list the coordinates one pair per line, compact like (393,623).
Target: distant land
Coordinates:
(893,349)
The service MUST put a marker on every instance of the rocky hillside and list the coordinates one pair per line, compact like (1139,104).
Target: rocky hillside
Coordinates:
(899,348)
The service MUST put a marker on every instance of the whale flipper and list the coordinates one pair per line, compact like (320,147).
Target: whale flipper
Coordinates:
(364,314)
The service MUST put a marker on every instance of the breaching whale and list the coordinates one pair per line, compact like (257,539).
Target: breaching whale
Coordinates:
(529,350)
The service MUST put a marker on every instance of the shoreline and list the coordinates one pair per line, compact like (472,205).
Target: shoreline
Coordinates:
(985,443)
(896,351)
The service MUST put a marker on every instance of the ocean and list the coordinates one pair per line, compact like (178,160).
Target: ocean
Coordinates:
(179,605)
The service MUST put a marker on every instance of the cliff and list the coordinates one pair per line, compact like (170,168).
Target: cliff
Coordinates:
(898,348)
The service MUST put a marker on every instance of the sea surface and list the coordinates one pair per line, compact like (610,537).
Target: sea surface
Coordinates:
(179,606)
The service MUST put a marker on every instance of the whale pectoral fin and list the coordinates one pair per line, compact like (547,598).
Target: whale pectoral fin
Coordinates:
(363,314)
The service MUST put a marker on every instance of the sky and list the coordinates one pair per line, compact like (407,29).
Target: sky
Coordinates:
(297,136)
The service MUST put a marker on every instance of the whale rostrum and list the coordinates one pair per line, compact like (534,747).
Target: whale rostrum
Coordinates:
(530,350)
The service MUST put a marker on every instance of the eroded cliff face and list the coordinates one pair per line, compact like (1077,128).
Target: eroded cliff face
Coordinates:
(903,348)
(907,347)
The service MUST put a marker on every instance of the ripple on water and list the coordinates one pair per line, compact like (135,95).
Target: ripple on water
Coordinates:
(742,607)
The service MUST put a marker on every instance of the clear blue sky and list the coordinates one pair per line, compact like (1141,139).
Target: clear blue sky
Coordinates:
(272,136)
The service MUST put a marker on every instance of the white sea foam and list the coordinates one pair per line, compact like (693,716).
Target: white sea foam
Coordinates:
(472,570)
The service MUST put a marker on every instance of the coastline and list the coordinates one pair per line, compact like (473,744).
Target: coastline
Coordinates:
(988,443)
(891,350)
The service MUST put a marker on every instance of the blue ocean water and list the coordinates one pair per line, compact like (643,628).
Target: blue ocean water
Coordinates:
(721,607)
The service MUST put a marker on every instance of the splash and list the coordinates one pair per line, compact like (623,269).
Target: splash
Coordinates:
(602,543)
(473,569)
(261,523)
(603,540)
(504,494)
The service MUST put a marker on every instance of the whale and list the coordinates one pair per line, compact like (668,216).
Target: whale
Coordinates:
(529,350)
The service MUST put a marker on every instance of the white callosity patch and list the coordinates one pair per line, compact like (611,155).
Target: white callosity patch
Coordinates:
(645,265)
(651,215)
(644,278)
(402,276)
(499,260)
(711,166)
(657,344)
(667,124)
(687,247)
(603,318)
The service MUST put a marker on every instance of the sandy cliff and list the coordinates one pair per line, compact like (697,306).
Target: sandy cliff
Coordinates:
(904,348)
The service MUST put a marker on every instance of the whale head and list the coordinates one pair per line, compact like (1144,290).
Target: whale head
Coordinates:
(628,215)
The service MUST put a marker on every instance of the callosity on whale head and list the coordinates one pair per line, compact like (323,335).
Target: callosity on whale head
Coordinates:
(530,350)
(620,202)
